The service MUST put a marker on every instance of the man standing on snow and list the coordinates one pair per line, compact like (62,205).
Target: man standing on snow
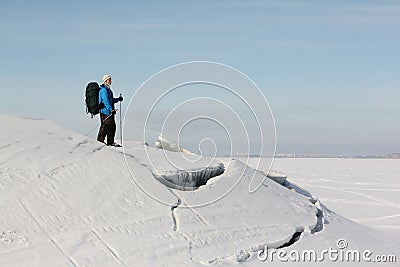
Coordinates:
(107,113)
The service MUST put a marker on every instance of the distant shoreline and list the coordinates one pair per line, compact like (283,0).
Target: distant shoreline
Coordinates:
(323,156)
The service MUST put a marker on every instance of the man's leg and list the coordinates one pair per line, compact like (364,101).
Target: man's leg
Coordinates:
(102,131)
(111,128)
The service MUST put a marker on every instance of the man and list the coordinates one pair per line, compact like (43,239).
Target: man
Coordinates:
(107,113)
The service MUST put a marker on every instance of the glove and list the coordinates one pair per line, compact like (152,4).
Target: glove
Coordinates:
(113,112)
(120,98)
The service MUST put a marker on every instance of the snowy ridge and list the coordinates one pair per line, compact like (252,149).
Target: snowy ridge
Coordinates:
(67,200)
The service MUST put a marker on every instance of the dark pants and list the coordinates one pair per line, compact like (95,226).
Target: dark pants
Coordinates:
(107,128)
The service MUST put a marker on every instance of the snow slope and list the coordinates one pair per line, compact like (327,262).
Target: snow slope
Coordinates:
(67,200)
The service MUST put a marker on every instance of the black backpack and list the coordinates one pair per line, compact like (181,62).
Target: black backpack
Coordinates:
(92,99)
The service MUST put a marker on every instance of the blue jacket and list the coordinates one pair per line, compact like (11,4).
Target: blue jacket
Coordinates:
(107,98)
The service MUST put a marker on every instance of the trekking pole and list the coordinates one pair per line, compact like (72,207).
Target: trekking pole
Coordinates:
(97,126)
(120,117)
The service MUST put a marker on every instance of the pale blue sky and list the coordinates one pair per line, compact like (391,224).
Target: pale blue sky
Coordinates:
(329,69)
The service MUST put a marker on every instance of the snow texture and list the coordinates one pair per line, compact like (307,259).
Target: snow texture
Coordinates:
(67,200)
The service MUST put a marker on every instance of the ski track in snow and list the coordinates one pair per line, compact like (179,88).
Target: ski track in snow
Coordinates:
(15,155)
(374,199)
(79,145)
(70,260)
(110,249)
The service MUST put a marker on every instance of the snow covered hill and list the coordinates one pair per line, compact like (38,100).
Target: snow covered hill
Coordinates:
(67,200)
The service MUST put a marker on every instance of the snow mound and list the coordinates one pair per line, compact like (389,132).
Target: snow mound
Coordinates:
(67,200)
(167,144)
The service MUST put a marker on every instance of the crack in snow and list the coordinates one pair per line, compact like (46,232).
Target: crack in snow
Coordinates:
(189,180)
(174,221)
(320,217)
(184,180)
(319,226)
(296,237)
(244,255)
(175,225)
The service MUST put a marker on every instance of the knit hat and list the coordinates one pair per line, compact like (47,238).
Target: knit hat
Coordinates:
(106,77)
